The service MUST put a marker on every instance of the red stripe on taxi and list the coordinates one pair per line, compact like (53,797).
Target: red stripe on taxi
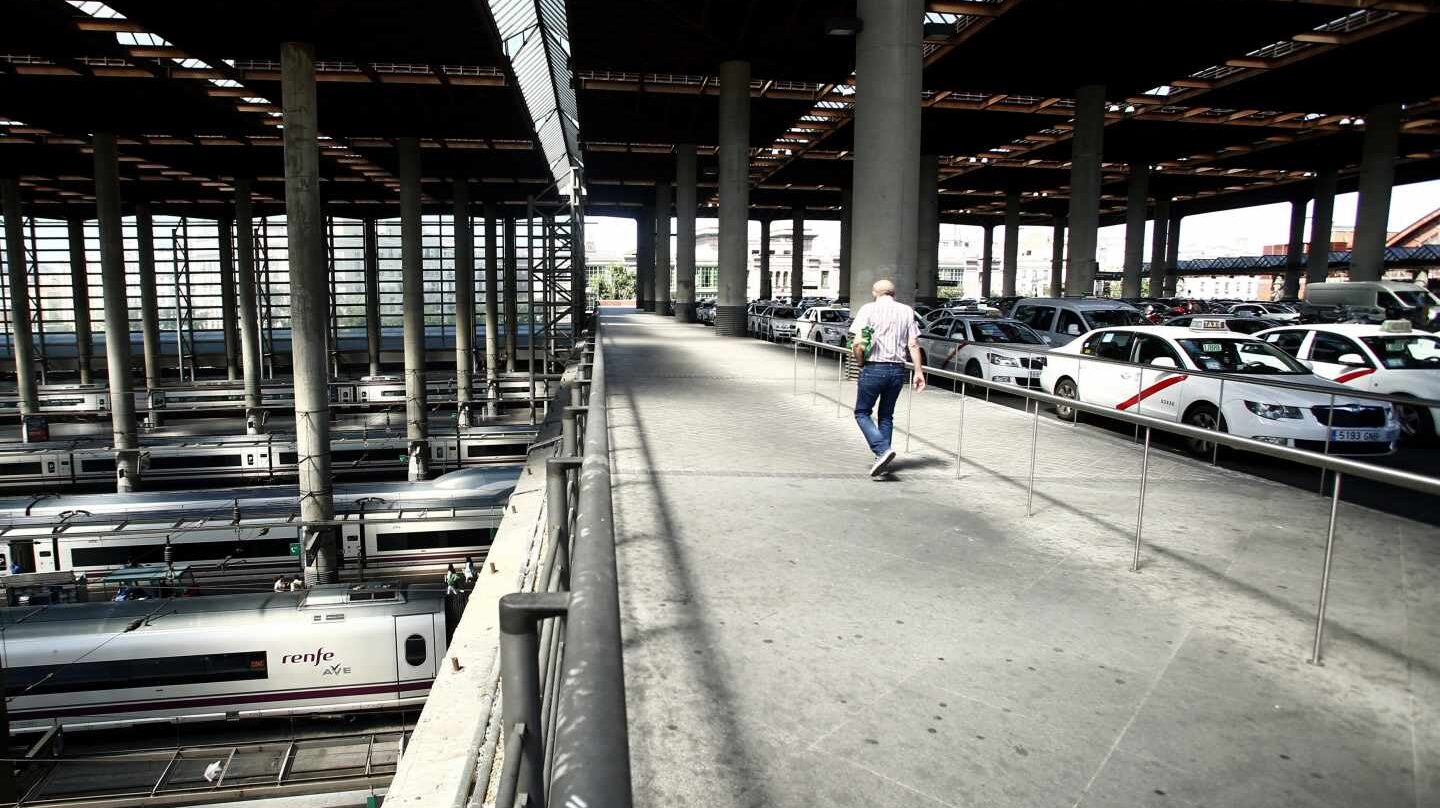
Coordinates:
(1170,381)
(1354,374)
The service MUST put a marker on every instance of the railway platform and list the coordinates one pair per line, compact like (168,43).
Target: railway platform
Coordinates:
(796,633)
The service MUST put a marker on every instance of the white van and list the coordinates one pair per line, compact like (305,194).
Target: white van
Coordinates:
(1414,301)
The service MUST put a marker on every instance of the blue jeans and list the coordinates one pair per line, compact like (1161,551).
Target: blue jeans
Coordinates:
(881,382)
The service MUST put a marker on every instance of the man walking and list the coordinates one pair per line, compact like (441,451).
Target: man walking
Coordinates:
(882,333)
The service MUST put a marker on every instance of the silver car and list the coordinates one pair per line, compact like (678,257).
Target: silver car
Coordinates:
(997,350)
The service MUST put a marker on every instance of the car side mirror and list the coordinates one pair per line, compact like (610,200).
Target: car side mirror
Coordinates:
(1073,330)
(1163,362)
(1351,359)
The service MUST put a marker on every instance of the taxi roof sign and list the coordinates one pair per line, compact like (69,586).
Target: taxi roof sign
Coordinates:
(1208,324)
(1395,327)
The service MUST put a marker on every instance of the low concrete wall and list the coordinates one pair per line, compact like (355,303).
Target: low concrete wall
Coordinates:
(439,766)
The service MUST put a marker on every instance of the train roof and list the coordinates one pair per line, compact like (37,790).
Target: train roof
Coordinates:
(476,487)
(214,611)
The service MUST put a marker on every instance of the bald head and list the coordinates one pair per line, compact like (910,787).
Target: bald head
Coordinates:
(882,288)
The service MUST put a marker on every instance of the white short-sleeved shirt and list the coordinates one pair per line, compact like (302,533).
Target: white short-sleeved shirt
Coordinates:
(894,324)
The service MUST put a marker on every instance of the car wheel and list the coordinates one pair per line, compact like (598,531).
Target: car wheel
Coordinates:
(1416,425)
(972,368)
(1203,416)
(1066,388)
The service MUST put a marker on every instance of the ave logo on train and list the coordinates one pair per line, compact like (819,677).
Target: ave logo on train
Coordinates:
(315,658)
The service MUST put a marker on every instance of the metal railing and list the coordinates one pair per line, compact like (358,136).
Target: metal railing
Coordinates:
(1339,466)
(561,673)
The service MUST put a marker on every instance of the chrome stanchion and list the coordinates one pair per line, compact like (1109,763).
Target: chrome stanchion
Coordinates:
(794,368)
(1140,515)
(909,406)
(814,374)
(1329,431)
(1034,444)
(960,432)
(839,379)
(1215,455)
(1325,574)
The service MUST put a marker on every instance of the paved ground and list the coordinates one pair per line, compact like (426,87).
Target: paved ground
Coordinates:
(796,634)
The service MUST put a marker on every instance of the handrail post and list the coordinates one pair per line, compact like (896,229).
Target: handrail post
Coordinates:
(814,374)
(1140,516)
(1034,445)
(839,380)
(910,405)
(570,430)
(960,432)
(1315,658)
(794,368)
(520,614)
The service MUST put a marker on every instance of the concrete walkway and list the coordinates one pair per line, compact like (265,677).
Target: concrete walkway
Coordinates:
(797,635)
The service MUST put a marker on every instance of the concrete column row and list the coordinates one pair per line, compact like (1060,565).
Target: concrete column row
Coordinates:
(685,233)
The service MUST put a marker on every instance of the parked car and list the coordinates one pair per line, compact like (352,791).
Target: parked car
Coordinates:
(1061,319)
(1142,369)
(776,322)
(1269,311)
(1233,322)
(827,324)
(1392,359)
(1003,351)
(705,312)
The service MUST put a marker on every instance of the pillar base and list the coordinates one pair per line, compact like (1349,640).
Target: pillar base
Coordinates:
(663,309)
(730,321)
(685,312)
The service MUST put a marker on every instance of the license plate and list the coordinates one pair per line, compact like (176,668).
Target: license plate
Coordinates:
(1363,435)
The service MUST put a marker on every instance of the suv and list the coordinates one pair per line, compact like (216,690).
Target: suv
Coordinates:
(1060,319)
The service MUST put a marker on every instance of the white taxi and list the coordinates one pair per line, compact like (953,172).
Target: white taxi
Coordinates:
(1146,374)
(1392,359)
(828,324)
(997,350)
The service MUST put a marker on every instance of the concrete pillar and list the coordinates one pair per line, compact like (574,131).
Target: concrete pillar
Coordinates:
(80,286)
(309,299)
(1158,235)
(797,253)
(766,280)
(685,233)
(371,258)
(511,293)
(645,258)
(1057,257)
(1317,268)
(1137,193)
(492,313)
(734,180)
(662,248)
(251,364)
(464,301)
(1172,254)
(987,257)
(22,340)
(149,305)
(227,298)
(842,287)
(1377,176)
(927,260)
(1011,267)
(117,314)
(887,146)
(413,295)
(1294,253)
(1085,151)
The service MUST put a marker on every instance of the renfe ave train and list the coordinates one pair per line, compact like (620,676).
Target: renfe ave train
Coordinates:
(333,648)
(248,532)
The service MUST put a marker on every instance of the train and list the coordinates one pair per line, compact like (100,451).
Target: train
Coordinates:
(245,536)
(207,397)
(332,648)
(57,465)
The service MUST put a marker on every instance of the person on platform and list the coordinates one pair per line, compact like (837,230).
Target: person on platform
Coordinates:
(297,583)
(280,584)
(453,580)
(469,572)
(882,334)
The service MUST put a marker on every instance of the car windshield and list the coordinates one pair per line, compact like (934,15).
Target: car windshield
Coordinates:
(783,312)
(1003,331)
(834,316)
(1249,325)
(1406,351)
(1222,355)
(1105,318)
(1276,309)
(1414,299)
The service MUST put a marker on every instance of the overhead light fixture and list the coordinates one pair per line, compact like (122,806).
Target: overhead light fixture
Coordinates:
(843,26)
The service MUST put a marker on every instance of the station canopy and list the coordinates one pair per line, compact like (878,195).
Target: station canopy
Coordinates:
(1229,102)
